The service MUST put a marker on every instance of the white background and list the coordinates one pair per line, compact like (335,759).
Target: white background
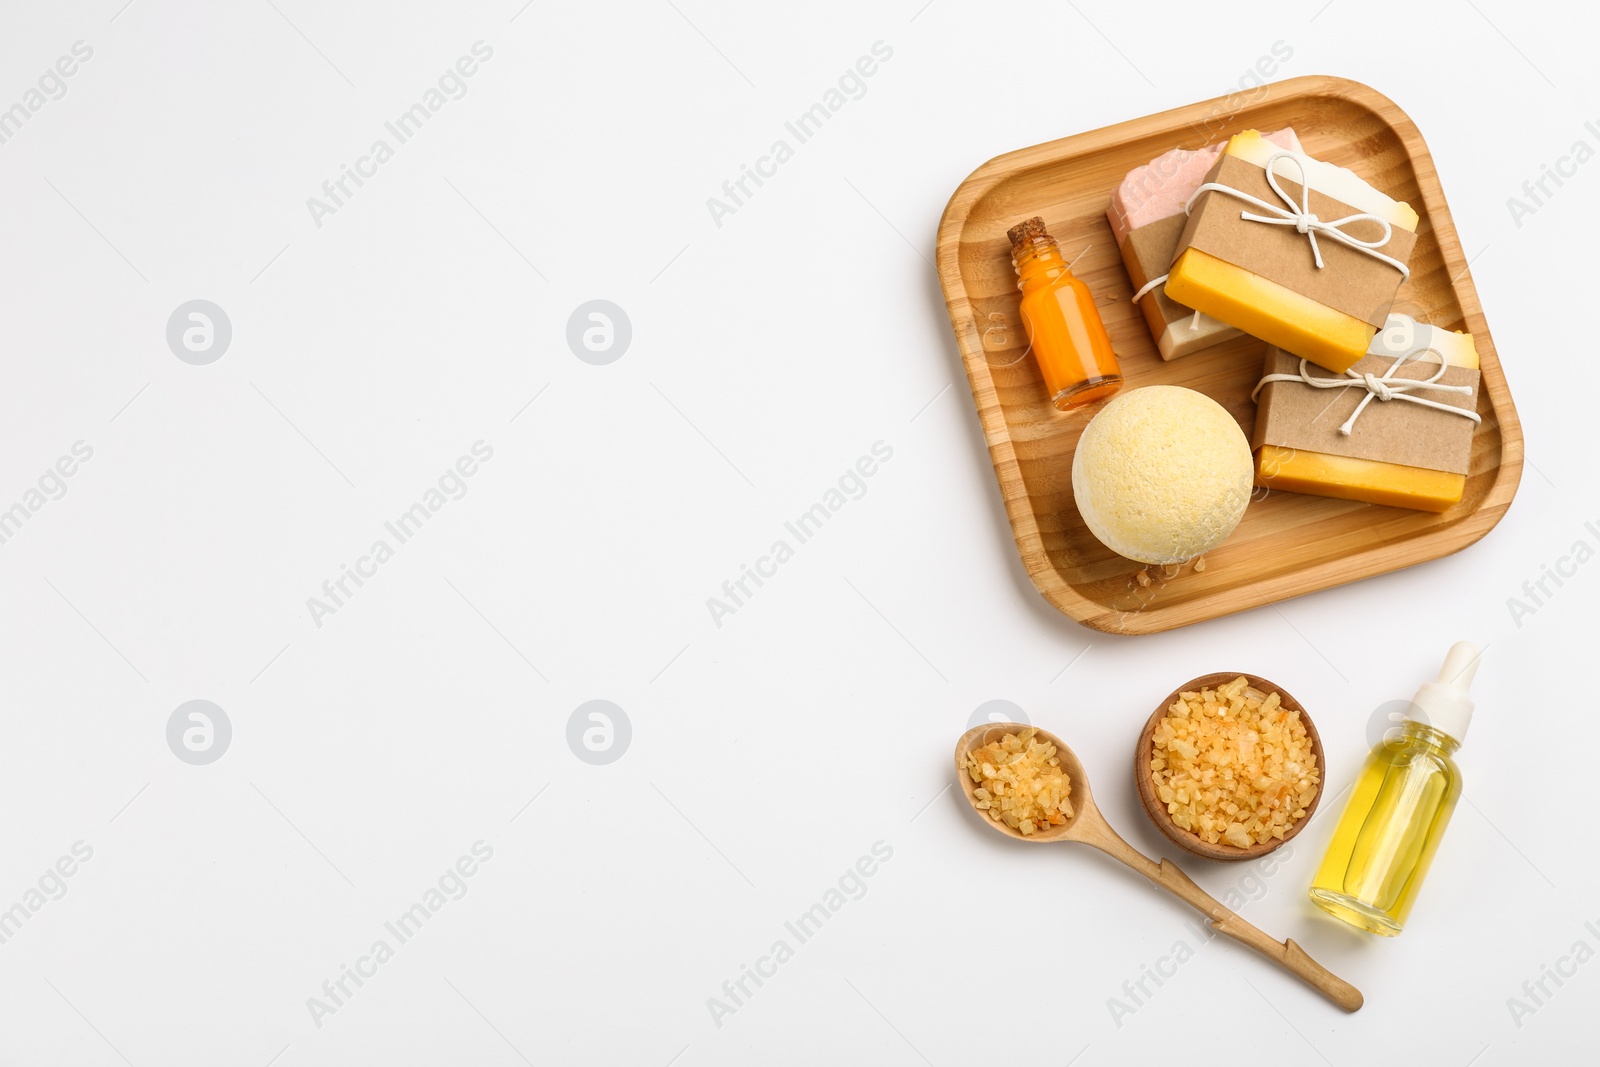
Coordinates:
(768,354)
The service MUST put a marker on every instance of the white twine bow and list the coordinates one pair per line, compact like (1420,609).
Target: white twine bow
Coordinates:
(1385,387)
(1303,219)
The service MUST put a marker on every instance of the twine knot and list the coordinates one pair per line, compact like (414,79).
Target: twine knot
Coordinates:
(1303,219)
(1384,387)
(1377,388)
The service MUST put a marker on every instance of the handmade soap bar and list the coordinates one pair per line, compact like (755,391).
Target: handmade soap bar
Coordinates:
(1147,218)
(1310,292)
(1436,444)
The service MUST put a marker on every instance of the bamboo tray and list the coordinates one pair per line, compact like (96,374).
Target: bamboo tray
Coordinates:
(1288,544)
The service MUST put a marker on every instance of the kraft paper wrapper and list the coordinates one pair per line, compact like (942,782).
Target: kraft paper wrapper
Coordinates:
(1147,252)
(1350,281)
(1295,415)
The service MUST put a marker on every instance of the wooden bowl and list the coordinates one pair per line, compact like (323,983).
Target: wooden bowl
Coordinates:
(1192,842)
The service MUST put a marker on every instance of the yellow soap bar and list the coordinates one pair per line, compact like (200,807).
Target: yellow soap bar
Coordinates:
(1319,474)
(1392,484)
(1263,308)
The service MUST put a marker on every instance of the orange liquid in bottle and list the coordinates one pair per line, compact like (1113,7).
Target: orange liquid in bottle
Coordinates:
(1064,329)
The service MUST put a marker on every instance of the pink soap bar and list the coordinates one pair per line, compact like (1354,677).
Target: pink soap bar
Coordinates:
(1160,188)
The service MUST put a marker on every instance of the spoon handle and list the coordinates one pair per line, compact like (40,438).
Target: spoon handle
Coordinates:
(1286,954)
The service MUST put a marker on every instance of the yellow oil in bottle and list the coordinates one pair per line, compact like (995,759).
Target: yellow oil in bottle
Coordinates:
(1390,830)
(1399,807)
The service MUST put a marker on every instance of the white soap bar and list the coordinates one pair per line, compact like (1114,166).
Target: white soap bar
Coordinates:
(1404,336)
(1341,184)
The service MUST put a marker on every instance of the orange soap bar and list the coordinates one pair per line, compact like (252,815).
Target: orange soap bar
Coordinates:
(1263,308)
(1374,482)
(1347,478)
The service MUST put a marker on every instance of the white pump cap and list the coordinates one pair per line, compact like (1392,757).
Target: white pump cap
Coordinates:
(1443,702)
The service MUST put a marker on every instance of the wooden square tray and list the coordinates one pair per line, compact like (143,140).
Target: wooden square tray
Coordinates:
(1288,544)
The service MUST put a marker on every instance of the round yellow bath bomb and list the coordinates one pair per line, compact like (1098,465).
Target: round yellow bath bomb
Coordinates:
(1162,474)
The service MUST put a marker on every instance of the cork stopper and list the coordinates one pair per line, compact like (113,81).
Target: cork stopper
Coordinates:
(1026,232)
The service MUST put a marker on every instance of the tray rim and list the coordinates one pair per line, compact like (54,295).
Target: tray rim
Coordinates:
(1381,558)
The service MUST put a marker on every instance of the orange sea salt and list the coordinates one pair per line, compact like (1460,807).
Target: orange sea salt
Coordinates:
(1233,765)
(1020,782)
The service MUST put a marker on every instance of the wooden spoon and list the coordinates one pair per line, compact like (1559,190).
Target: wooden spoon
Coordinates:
(1088,827)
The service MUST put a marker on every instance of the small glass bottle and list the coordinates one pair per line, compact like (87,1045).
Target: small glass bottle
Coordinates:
(1063,325)
(1399,807)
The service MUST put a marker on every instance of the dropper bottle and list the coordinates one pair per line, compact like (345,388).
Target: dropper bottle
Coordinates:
(1064,329)
(1399,807)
